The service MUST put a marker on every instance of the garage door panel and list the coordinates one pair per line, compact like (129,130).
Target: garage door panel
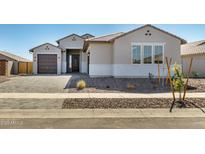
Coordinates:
(47,63)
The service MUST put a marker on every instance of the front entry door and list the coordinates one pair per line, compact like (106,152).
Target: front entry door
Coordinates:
(75,63)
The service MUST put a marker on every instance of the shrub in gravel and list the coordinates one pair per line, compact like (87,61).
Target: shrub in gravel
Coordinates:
(131,86)
(81,84)
(195,74)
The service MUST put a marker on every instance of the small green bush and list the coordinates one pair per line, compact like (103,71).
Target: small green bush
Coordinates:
(195,74)
(81,84)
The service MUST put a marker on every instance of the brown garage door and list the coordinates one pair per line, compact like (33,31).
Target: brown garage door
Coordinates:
(47,63)
(2,67)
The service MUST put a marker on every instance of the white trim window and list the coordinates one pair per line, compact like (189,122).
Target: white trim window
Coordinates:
(158,54)
(136,54)
(147,53)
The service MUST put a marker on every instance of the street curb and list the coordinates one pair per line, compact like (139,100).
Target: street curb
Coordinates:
(100,113)
(93,95)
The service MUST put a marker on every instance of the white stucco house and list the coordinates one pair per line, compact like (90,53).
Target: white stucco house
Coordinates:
(132,54)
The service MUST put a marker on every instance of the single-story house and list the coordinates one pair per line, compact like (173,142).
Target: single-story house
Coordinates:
(197,51)
(131,54)
(9,63)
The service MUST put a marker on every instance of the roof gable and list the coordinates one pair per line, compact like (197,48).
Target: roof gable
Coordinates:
(87,36)
(148,25)
(31,50)
(72,35)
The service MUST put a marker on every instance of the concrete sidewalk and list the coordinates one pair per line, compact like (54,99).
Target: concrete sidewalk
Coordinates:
(98,113)
(94,95)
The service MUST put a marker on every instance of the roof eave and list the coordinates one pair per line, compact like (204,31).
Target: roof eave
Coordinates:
(99,41)
(31,50)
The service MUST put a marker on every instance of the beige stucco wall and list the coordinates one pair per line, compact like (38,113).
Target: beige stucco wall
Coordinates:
(69,43)
(84,62)
(115,58)
(122,53)
(101,53)
(42,50)
(63,62)
(101,59)
(122,46)
(198,64)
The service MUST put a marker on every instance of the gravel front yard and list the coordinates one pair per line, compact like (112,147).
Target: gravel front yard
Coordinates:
(197,84)
(130,85)
(104,103)
(112,85)
(67,84)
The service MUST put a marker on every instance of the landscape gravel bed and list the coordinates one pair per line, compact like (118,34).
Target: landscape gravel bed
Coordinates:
(112,85)
(197,84)
(104,103)
(137,85)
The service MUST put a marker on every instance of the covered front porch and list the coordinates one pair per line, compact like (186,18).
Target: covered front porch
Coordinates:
(74,60)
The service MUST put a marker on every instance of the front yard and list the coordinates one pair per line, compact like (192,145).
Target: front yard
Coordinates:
(130,85)
(67,84)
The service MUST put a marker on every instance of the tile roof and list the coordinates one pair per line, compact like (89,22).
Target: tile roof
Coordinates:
(149,25)
(14,57)
(193,48)
(112,37)
(105,38)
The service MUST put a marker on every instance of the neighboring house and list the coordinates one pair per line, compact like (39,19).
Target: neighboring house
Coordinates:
(197,51)
(132,54)
(9,63)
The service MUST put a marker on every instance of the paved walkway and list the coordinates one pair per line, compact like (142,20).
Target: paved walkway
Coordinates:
(94,95)
(99,113)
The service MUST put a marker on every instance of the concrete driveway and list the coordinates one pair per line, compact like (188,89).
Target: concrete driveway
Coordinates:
(36,84)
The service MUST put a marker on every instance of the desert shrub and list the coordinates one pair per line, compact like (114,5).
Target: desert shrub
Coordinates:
(195,74)
(131,86)
(81,84)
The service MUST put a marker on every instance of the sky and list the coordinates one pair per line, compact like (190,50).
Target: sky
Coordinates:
(18,39)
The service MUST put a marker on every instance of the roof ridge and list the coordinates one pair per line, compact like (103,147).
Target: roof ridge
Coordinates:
(194,43)
(104,35)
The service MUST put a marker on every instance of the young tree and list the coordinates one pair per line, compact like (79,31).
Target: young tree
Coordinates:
(178,82)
